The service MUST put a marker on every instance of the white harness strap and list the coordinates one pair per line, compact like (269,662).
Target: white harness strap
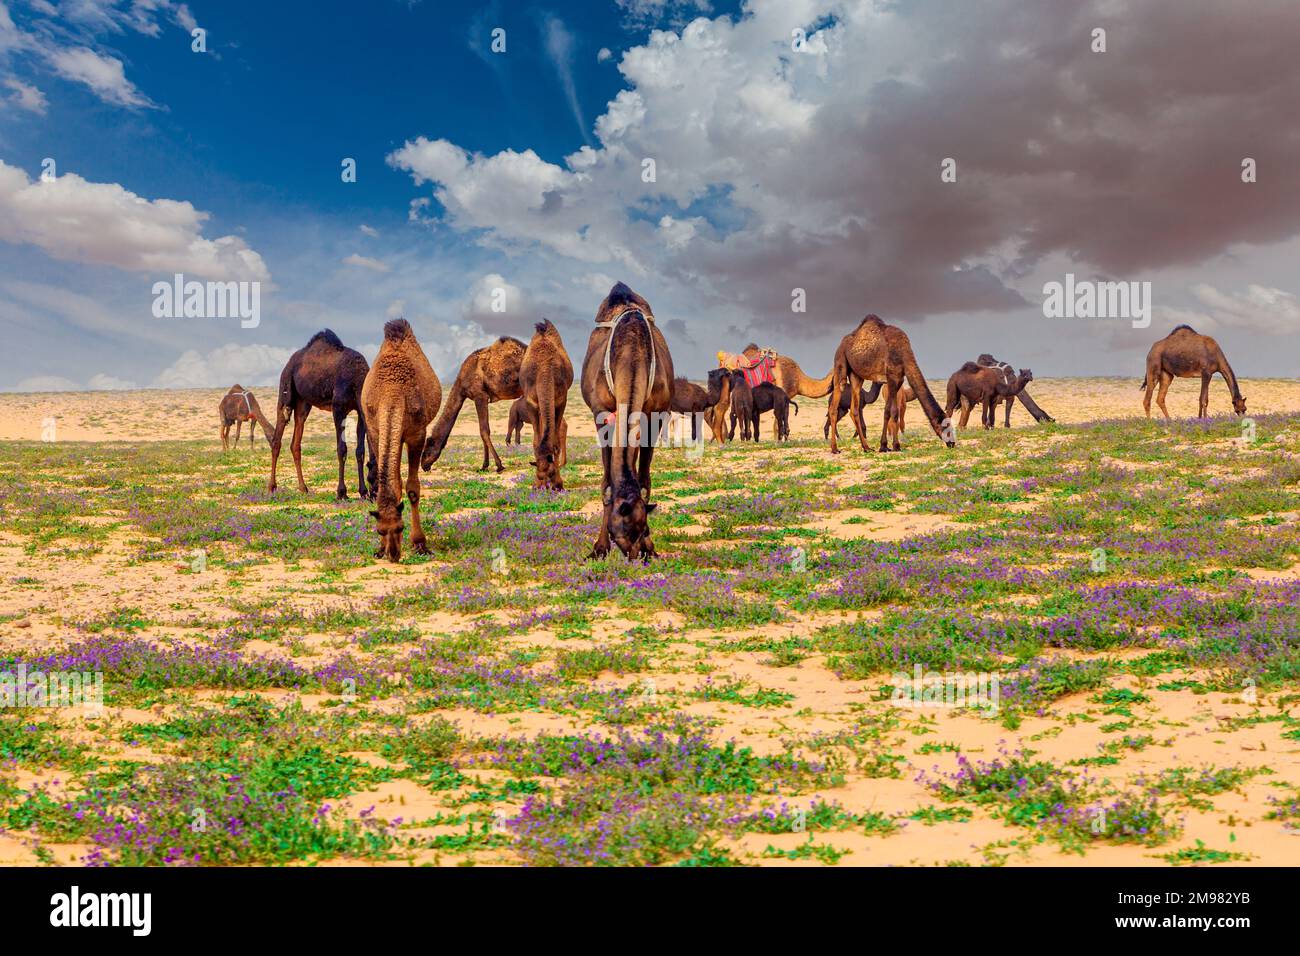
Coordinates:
(247,404)
(1002,367)
(609,344)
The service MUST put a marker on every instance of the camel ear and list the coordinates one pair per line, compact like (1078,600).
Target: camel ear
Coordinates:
(400,506)
(375,515)
(651,507)
(645,495)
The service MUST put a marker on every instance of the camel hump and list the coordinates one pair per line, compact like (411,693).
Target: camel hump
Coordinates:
(970,367)
(620,294)
(509,340)
(328,337)
(545,327)
(987,359)
(397,330)
(1181,328)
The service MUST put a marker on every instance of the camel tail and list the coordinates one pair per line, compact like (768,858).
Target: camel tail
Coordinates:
(796,404)
(436,443)
(1143,386)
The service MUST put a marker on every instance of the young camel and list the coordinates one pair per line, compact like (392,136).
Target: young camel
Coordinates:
(516,421)
(627,377)
(878,352)
(400,396)
(748,405)
(987,386)
(720,396)
(1185,353)
(239,406)
(545,375)
(693,401)
(487,375)
(323,374)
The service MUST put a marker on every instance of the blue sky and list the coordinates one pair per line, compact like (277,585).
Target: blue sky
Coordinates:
(776,169)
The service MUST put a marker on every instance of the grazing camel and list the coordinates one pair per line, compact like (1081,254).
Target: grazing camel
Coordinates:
(1185,353)
(487,375)
(878,352)
(239,406)
(1039,415)
(545,375)
(693,401)
(792,378)
(974,384)
(400,396)
(627,382)
(516,421)
(323,374)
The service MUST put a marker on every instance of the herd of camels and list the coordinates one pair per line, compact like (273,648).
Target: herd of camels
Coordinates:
(627,379)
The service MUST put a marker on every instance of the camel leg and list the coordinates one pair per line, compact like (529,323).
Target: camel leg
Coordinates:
(225,437)
(837,388)
(756,418)
(564,441)
(481,406)
(341,449)
(890,398)
(1165,380)
(1205,396)
(966,406)
(601,548)
(1011,400)
(855,409)
(367,466)
(986,413)
(300,413)
(413,450)
(1152,378)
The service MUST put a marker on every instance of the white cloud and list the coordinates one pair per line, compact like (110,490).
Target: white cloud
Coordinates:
(365,262)
(559,43)
(603,54)
(108,383)
(370,231)
(104,74)
(75,220)
(26,97)
(250,365)
(1260,309)
(57,383)
(396,309)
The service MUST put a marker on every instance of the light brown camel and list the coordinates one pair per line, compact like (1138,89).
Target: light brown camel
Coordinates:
(1185,353)
(721,405)
(627,382)
(487,375)
(545,375)
(239,406)
(323,374)
(400,396)
(986,386)
(877,352)
(792,378)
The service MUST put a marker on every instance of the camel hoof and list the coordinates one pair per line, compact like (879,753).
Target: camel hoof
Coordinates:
(341,495)
(500,468)
(598,553)
(419,547)
(379,553)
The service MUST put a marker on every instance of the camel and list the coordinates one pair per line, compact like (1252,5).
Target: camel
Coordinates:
(487,375)
(748,404)
(878,352)
(790,377)
(693,401)
(1022,396)
(545,375)
(239,406)
(516,421)
(719,385)
(1185,353)
(323,374)
(627,376)
(987,386)
(400,396)
(866,396)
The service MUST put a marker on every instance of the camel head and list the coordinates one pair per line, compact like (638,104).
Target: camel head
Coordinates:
(1239,404)
(1026,376)
(629,524)
(388,522)
(548,469)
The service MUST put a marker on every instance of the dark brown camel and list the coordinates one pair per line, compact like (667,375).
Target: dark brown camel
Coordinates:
(239,406)
(692,400)
(866,396)
(487,375)
(627,382)
(545,375)
(721,404)
(400,396)
(986,386)
(748,404)
(1185,353)
(1039,415)
(323,374)
(878,352)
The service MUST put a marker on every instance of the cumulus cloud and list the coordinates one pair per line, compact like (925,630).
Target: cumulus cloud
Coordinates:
(57,383)
(370,231)
(26,97)
(104,75)
(366,262)
(1260,309)
(820,169)
(250,365)
(75,220)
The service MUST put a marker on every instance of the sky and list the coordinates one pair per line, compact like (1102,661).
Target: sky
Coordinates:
(769,170)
